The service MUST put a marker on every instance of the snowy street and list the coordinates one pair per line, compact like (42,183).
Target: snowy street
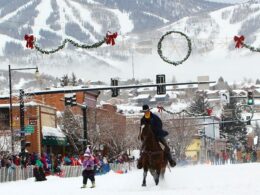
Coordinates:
(239,179)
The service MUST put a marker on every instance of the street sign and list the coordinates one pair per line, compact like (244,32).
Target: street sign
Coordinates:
(32,121)
(224,97)
(29,129)
(82,140)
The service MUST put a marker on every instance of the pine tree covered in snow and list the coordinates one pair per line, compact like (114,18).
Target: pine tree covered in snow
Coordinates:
(234,131)
(200,103)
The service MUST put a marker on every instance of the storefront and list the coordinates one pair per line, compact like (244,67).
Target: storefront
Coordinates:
(53,140)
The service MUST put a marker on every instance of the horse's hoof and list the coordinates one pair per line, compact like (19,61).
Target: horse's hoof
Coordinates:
(144,184)
(156,181)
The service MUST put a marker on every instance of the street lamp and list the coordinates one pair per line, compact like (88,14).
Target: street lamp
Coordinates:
(10,98)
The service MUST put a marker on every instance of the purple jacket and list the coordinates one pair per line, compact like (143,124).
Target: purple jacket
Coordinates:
(88,164)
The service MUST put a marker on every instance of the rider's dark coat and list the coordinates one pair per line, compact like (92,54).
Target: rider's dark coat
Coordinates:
(156,125)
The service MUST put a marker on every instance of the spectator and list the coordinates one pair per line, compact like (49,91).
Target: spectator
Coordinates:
(67,160)
(88,170)
(38,173)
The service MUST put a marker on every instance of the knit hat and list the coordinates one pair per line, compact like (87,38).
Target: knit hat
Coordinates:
(87,154)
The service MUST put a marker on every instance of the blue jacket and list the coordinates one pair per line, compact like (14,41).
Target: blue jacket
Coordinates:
(156,125)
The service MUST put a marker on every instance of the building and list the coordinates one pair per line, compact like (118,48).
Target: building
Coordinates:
(38,121)
(47,135)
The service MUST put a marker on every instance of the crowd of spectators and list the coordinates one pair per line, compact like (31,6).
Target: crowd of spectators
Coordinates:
(52,164)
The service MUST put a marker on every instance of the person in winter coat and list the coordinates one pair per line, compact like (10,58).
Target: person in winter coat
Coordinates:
(156,125)
(38,173)
(88,170)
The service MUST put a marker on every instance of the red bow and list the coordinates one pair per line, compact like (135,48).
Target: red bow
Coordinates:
(110,38)
(239,41)
(30,41)
(160,108)
(209,111)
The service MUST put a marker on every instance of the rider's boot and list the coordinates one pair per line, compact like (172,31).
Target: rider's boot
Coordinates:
(140,163)
(168,153)
(170,160)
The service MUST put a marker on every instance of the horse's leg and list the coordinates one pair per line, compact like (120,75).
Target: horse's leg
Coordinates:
(144,176)
(162,173)
(156,176)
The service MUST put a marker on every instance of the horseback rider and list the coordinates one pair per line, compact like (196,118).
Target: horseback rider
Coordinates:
(156,125)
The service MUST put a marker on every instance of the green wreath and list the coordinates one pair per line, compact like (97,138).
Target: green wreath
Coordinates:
(159,48)
(83,46)
(31,43)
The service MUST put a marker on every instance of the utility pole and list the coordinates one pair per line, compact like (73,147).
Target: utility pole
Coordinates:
(23,141)
(85,126)
(10,99)
(11,109)
(133,67)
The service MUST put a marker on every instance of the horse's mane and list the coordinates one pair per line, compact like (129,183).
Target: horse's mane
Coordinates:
(148,137)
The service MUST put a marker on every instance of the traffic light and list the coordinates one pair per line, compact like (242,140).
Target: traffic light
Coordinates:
(160,79)
(74,100)
(70,99)
(115,91)
(67,100)
(202,133)
(250,98)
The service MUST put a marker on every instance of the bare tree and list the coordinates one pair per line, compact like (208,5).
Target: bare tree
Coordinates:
(181,131)
(71,126)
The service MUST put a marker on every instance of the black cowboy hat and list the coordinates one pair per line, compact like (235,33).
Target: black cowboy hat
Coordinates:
(145,108)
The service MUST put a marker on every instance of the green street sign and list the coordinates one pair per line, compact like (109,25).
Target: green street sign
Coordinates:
(29,129)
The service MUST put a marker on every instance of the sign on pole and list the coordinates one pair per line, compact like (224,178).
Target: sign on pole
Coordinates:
(29,129)
(224,97)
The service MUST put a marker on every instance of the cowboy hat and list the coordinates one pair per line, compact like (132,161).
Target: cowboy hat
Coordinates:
(145,108)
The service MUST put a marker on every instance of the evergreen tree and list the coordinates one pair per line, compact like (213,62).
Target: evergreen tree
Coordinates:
(64,81)
(257,81)
(232,129)
(221,84)
(80,82)
(74,80)
(200,103)
(221,80)
(257,133)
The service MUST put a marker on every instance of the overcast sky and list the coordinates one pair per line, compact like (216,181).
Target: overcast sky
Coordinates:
(229,1)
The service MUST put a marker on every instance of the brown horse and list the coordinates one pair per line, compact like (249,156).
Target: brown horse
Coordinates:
(152,156)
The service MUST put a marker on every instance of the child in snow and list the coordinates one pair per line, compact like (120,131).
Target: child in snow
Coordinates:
(88,170)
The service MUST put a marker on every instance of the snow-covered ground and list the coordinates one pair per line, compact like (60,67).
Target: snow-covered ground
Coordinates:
(239,179)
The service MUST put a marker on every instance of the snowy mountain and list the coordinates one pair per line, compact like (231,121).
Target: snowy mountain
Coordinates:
(216,29)
(140,24)
(86,20)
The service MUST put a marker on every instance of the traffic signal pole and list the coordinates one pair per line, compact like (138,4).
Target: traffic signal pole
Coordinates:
(84,107)
(85,89)
(85,126)
(21,99)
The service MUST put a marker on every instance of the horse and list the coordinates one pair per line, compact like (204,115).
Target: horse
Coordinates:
(152,155)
